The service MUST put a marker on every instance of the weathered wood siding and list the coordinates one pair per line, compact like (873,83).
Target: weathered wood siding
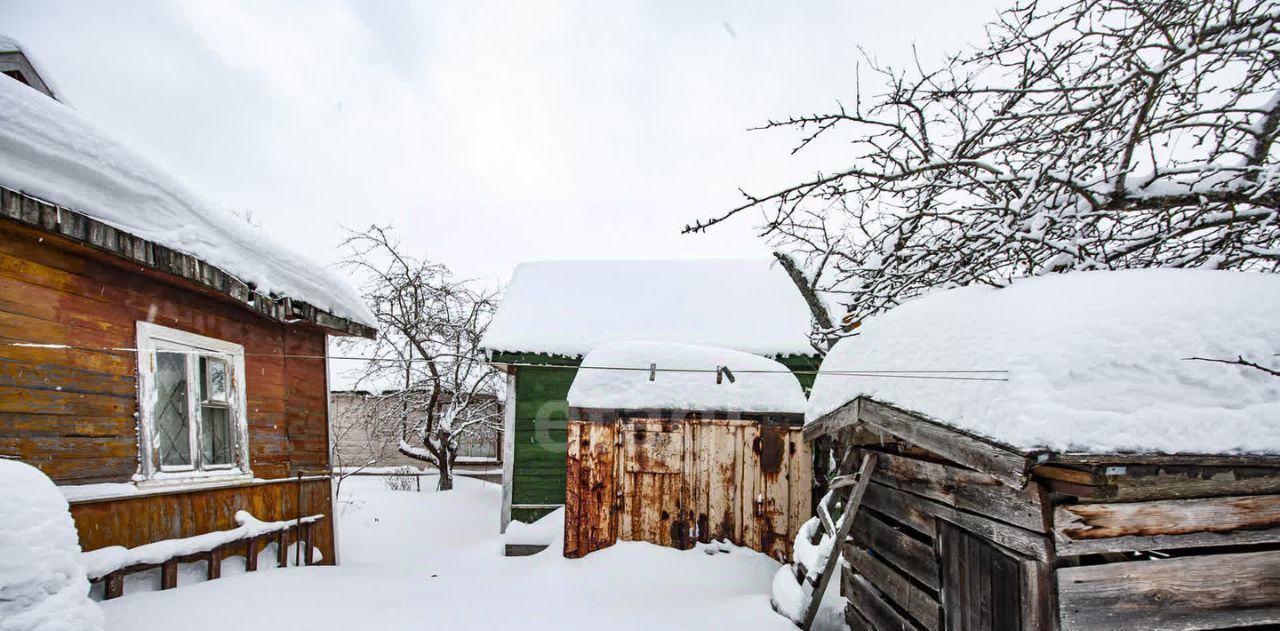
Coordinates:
(541,415)
(134,521)
(72,411)
(937,546)
(674,482)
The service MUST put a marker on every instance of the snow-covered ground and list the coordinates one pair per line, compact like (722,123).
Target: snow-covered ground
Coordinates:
(432,560)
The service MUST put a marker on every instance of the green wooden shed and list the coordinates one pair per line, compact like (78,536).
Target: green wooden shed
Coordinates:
(553,313)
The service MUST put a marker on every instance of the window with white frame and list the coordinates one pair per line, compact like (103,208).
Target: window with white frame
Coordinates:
(192,404)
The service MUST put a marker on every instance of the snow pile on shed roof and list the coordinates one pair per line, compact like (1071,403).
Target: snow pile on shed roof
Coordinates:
(760,384)
(49,151)
(1095,360)
(43,587)
(570,307)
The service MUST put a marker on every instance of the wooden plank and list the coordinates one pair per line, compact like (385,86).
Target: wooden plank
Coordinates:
(967,490)
(907,554)
(919,604)
(251,555)
(169,574)
(844,417)
(864,597)
(1002,462)
(906,507)
(1093,528)
(573,490)
(852,505)
(1199,592)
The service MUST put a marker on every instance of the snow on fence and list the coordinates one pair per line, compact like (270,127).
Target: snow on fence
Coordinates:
(113,563)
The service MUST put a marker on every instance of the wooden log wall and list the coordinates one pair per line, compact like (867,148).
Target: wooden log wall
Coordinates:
(936,546)
(72,412)
(674,482)
(1215,525)
(134,521)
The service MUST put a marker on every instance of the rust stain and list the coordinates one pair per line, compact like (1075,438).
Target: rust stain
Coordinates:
(770,450)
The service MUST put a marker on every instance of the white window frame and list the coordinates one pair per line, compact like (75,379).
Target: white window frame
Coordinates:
(154,337)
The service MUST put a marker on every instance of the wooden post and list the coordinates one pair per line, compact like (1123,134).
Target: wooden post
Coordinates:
(169,574)
(297,558)
(251,555)
(846,522)
(282,553)
(306,543)
(215,563)
(113,586)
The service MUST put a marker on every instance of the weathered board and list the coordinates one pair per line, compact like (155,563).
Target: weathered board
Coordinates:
(983,585)
(1198,592)
(134,521)
(1166,524)
(678,481)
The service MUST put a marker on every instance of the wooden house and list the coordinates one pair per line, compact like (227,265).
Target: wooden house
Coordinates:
(675,444)
(1059,462)
(160,361)
(553,313)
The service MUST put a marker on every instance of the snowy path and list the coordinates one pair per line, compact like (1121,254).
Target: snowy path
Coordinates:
(417,561)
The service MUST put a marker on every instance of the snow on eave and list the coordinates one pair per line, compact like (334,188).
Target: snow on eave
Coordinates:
(90,232)
(615,376)
(51,153)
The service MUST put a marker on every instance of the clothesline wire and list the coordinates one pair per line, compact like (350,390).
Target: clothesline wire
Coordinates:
(942,375)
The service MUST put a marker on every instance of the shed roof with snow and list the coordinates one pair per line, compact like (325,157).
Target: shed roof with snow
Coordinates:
(568,308)
(617,375)
(64,175)
(1095,362)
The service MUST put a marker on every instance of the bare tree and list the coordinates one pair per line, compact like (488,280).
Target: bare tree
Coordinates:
(1093,134)
(430,326)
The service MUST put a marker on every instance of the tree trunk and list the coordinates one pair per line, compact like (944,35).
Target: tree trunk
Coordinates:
(446,472)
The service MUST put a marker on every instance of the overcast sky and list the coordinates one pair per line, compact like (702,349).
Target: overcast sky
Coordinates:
(487,132)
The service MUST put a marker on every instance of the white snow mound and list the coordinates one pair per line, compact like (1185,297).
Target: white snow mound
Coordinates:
(49,151)
(1097,361)
(760,384)
(42,584)
(570,307)
(546,531)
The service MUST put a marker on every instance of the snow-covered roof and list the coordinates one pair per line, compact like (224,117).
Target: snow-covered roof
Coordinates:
(15,56)
(1097,362)
(50,152)
(569,307)
(616,376)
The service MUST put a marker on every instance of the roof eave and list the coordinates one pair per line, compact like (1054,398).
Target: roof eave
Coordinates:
(85,230)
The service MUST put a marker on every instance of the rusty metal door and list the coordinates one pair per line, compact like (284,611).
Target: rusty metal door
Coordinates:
(653,489)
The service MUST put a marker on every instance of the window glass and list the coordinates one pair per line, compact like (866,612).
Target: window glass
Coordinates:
(171,410)
(213,379)
(217,441)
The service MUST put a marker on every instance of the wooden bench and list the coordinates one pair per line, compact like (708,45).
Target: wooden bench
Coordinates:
(111,565)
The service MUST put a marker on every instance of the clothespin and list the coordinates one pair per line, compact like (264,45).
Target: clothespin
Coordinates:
(653,372)
(722,372)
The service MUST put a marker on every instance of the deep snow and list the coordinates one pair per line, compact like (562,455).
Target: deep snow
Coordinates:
(1097,361)
(616,375)
(430,560)
(570,307)
(42,584)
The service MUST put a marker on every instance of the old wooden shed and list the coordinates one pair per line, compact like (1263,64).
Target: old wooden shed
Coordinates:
(554,312)
(1062,464)
(675,444)
(159,360)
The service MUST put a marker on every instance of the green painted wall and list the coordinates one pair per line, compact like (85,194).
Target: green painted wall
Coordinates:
(541,419)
